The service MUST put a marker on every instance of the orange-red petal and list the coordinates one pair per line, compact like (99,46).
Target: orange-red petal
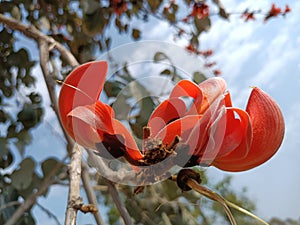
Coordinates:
(96,120)
(268,131)
(81,87)
(200,134)
(166,112)
(98,116)
(132,150)
(186,88)
(237,139)
(181,127)
(211,88)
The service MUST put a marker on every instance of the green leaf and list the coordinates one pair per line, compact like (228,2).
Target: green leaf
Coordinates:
(34,185)
(166,72)
(4,147)
(49,164)
(222,11)
(121,108)
(138,91)
(35,98)
(94,23)
(202,24)
(11,131)
(30,115)
(16,13)
(89,7)
(198,77)
(3,116)
(112,89)
(147,106)
(160,56)
(44,23)
(136,34)
(154,4)
(24,138)
(28,80)
(6,158)
(108,43)
(22,178)
(194,41)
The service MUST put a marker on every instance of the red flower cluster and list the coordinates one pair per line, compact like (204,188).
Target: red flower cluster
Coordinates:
(191,48)
(215,133)
(275,11)
(200,10)
(119,6)
(206,53)
(248,15)
(217,72)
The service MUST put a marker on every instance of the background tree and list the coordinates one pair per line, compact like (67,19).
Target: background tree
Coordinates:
(71,33)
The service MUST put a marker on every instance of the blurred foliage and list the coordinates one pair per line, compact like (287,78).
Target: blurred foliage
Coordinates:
(84,27)
(164,203)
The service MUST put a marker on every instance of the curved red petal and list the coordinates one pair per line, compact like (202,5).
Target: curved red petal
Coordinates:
(92,122)
(199,136)
(228,102)
(166,112)
(181,127)
(81,87)
(237,140)
(188,88)
(98,116)
(268,131)
(84,122)
(214,138)
(83,133)
(211,88)
(132,150)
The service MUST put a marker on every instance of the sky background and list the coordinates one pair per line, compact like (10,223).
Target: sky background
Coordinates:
(260,54)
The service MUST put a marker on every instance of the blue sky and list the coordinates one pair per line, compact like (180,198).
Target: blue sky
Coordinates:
(249,54)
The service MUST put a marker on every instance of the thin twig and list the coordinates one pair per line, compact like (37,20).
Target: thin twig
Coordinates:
(118,202)
(100,188)
(85,176)
(211,195)
(9,204)
(32,32)
(102,168)
(47,211)
(242,210)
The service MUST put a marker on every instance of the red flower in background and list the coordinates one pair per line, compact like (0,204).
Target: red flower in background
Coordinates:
(287,9)
(217,72)
(119,6)
(248,16)
(215,132)
(200,10)
(275,11)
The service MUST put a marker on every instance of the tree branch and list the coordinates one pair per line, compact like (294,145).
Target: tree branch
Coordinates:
(118,202)
(116,176)
(32,32)
(74,198)
(85,176)
(44,43)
